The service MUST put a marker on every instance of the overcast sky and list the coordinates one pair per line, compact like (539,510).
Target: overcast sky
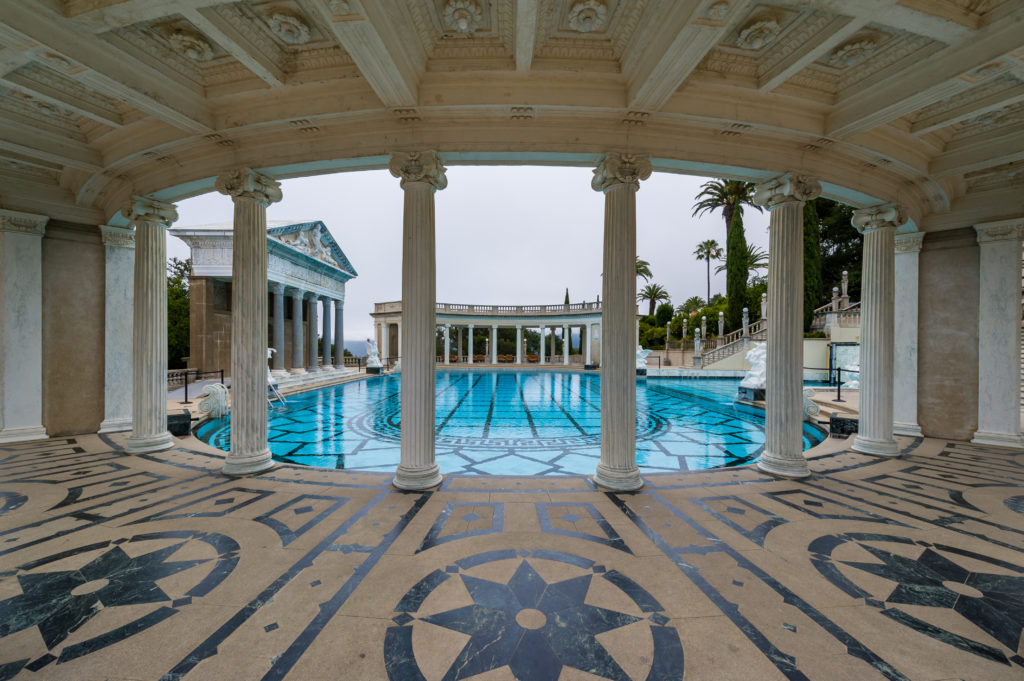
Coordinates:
(513,235)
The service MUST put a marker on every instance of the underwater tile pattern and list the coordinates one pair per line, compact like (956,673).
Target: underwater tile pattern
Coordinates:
(908,569)
(515,423)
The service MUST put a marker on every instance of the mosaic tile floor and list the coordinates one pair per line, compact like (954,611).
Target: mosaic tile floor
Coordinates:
(117,567)
(515,423)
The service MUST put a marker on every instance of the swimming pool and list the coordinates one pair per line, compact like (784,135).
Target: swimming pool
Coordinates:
(515,423)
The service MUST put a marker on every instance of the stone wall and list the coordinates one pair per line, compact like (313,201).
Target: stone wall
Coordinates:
(73,323)
(947,370)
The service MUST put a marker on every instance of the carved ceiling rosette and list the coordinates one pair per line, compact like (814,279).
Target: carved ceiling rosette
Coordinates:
(616,168)
(758,33)
(853,52)
(250,184)
(587,16)
(463,16)
(419,166)
(288,27)
(882,216)
(784,189)
(190,45)
(139,209)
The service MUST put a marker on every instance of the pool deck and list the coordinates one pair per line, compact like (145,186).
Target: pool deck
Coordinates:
(116,567)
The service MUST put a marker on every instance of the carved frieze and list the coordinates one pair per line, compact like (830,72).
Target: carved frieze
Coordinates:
(1002,230)
(23,223)
(909,243)
(586,16)
(119,237)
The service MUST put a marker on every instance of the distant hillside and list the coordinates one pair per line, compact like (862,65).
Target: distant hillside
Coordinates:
(356,347)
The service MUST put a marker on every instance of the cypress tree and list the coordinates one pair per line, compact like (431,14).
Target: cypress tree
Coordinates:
(567,296)
(736,271)
(813,286)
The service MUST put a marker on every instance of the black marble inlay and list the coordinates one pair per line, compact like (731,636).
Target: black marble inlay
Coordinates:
(434,535)
(278,520)
(11,501)
(608,536)
(1015,504)
(532,626)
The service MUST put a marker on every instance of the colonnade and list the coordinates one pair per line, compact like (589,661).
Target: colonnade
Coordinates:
(305,355)
(546,347)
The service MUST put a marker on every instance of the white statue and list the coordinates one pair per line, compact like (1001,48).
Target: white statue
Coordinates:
(372,355)
(396,368)
(641,357)
(270,377)
(215,401)
(851,373)
(757,357)
(811,409)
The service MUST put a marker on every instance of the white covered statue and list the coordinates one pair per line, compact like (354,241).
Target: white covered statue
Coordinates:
(851,374)
(641,357)
(757,357)
(811,409)
(215,400)
(372,355)
(270,377)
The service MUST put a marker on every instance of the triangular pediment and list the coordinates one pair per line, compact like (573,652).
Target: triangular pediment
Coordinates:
(313,239)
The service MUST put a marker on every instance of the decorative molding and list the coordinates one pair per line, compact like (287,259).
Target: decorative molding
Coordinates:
(419,166)
(288,27)
(795,38)
(1001,230)
(785,189)
(463,16)
(910,242)
(718,11)
(616,168)
(190,45)
(637,118)
(758,33)
(407,115)
(250,184)
(852,52)
(119,237)
(892,51)
(521,113)
(150,211)
(882,216)
(587,16)
(23,223)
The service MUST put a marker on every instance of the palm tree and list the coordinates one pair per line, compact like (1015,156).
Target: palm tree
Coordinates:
(643,269)
(653,293)
(729,195)
(708,250)
(757,260)
(691,305)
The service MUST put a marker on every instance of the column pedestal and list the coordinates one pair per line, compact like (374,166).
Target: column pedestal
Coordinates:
(119,249)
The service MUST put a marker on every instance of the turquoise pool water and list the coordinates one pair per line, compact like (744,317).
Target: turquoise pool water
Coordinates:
(515,423)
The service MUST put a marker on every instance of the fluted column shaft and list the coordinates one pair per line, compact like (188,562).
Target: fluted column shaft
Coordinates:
(784,197)
(251,192)
(904,371)
(119,249)
(494,344)
(542,339)
(590,330)
(447,343)
(277,364)
(519,344)
(298,363)
(999,340)
(565,344)
(471,327)
(149,336)
(874,433)
(328,329)
(618,176)
(339,333)
(312,351)
(421,174)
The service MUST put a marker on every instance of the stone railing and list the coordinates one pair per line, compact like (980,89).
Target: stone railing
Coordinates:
(501,310)
(731,343)
(846,317)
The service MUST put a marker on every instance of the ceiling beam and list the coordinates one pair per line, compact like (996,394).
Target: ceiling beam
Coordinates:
(966,156)
(968,110)
(835,32)
(929,81)
(106,69)
(48,146)
(127,12)
(679,42)
(526,33)
(48,92)
(376,39)
(236,44)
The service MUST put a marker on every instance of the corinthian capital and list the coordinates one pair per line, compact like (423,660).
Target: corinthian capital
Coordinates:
(616,168)
(786,188)
(419,166)
(882,216)
(250,184)
(146,209)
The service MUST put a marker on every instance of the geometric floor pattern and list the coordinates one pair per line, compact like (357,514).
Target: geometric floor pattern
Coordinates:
(515,423)
(155,566)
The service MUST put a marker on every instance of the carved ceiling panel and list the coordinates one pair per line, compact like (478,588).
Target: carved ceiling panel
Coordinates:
(1011,115)
(478,31)
(881,47)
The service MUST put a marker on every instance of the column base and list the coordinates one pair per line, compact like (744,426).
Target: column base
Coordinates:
(148,443)
(792,469)
(297,371)
(250,464)
(339,367)
(280,373)
(417,478)
(909,429)
(25,434)
(618,479)
(115,425)
(982,437)
(327,367)
(313,370)
(875,447)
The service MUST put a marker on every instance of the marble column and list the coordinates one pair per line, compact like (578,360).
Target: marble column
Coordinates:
(999,333)
(542,339)
(565,344)
(119,252)
(785,196)
(494,343)
(298,344)
(277,363)
(471,327)
(149,338)
(519,343)
(447,343)
(904,371)
(385,342)
(458,345)
(618,177)
(339,333)
(878,225)
(21,326)
(251,193)
(590,334)
(422,174)
(327,365)
(398,338)
(312,351)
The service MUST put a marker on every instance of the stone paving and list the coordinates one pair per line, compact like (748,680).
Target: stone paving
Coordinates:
(116,567)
